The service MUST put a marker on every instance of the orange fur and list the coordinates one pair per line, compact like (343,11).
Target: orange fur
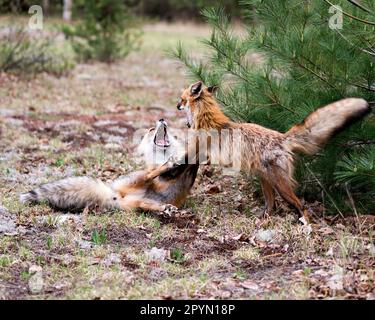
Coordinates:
(266,152)
(158,188)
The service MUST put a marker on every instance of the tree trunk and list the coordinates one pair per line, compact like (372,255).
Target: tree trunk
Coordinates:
(45,7)
(15,6)
(67,13)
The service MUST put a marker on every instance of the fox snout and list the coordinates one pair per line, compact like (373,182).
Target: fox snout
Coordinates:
(180,106)
(161,123)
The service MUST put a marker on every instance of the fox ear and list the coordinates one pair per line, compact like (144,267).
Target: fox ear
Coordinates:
(212,89)
(196,88)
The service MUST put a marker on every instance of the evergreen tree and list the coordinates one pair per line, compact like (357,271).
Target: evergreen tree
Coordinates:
(308,60)
(106,32)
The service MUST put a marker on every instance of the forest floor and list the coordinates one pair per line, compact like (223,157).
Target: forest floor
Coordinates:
(82,124)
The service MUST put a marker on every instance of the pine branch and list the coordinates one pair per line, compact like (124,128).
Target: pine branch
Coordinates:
(360,6)
(299,64)
(368,88)
(312,71)
(353,45)
(218,49)
(358,143)
(338,79)
(351,16)
(275,98)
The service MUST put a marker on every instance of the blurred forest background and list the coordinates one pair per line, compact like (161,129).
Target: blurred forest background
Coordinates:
(164,9)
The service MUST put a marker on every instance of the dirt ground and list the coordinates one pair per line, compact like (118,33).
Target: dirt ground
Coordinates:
(83,124)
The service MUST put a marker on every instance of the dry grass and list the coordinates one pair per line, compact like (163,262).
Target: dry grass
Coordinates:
(82,124)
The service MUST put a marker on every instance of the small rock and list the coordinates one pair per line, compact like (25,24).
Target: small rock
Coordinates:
(112,258)
(34,269)
(201,231)
(326,231)
(371,249)
(241,237)
(321,273)
(112,146)
(335,282)
(238,198)
(3,210)
(61,219)
(67,260)
(329,253)
(7,224)
(250,285)
(340,226)
(266,235)
(298,273)
(84,76)
(84,244)
(61,285)
(156,274)
(212,189)
(307,229)
(36,279)
(224,294)
(156,254)
(93,261)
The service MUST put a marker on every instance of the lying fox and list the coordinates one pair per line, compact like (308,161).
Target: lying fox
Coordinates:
(164,186)
(268,153)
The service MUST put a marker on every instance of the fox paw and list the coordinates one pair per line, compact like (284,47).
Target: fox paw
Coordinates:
(305,217)
(266,213)
(170,210)
(172,161)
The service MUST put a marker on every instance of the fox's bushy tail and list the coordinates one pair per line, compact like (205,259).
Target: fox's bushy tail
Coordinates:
(318,127)
(74,193)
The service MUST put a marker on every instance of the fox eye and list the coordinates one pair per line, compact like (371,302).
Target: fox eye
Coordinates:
(151,129)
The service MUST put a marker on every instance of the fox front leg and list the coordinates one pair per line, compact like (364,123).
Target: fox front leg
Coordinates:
(147,205)
(140,203)
(159,170)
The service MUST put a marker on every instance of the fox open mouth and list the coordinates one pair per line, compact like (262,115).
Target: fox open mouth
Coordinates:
(161,138)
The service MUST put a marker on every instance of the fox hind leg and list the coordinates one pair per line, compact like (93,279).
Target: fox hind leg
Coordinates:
(283,186)
(269,195)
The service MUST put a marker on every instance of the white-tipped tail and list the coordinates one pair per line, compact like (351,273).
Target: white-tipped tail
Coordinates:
(27,197)
(323,123)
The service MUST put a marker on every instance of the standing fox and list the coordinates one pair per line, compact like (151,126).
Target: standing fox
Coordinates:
(268,153)
(162,187)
